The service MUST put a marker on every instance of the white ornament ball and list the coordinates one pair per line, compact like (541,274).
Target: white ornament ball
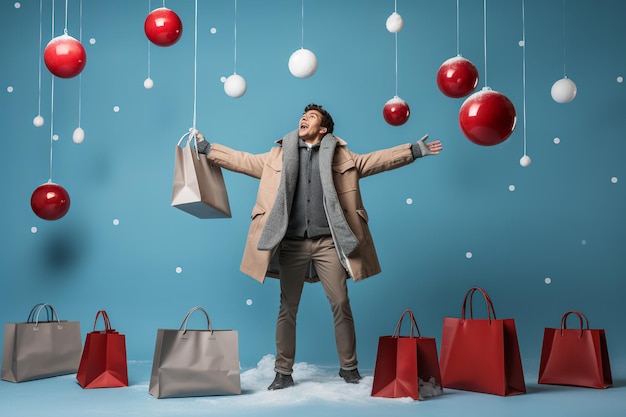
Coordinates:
(302,63)
(38,121)
(79,135)
(148,83)
(525,161)
(394,23)
(563,91)
(235,86)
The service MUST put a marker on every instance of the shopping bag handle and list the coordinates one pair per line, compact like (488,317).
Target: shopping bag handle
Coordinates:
(190,135)
(487,300)
(31,315)
(491,311)
(54,314)
(580,318)
(105,318)
(414,326)
(183,326)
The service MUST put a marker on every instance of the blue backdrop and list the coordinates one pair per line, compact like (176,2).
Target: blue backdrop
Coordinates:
(541,240)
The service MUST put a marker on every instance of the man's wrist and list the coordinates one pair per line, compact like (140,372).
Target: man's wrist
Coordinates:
(416,150)
(203,146)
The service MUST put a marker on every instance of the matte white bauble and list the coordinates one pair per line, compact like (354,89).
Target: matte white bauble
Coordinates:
(79,135)
(235,86)
(564,90)
(302,63)
(148,83)
(38,121)
(394,23)
(525,161)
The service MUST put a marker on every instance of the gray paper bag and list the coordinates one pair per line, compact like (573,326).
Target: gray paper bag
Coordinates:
(195,363)
(199,187)
(40,349)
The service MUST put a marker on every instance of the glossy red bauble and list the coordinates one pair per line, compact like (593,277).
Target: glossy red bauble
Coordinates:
(396,111)
(487,117)
(163,27)
(50,201)
(65,57)
(457,77)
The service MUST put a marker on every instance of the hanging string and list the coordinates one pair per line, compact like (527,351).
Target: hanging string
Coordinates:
(395,10)
(524,69)
(51,126)
(65,26)
(40,55)
(302,25)
(564,38)
(458,39)
(235,64)
(51,104)
(80,21)
(195,66)
(485,37)
(396,37)
(53,18)
(149,10)
(80,77)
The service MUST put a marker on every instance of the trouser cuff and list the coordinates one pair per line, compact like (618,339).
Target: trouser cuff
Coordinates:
(282,371)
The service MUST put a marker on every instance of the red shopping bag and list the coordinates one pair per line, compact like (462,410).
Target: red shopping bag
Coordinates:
(406,366)
(103,362)
(578,357)
(481,355)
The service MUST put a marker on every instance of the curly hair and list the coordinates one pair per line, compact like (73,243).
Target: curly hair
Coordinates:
(327,120)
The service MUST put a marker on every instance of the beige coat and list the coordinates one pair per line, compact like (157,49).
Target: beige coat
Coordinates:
(348,168)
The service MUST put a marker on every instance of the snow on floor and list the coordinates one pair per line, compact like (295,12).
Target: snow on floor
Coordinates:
(317,391)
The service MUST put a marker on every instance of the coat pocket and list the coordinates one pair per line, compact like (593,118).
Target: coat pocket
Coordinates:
(256,211)
(345,176)
(363,215)
(270,179)
(257,222)
(363,234)
(343,166)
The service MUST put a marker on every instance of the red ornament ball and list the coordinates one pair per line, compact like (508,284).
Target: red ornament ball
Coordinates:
(487,117)
(65,57)
(457,77)
(163,27)
(396,111)
(50,201)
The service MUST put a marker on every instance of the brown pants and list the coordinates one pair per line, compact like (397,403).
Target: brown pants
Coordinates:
(295,256)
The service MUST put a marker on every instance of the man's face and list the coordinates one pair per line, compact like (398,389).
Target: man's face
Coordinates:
(310,129)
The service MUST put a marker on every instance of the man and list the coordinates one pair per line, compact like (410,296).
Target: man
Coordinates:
(309,224)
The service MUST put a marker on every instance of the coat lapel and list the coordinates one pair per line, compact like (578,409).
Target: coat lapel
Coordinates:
(278,218)
(344,238)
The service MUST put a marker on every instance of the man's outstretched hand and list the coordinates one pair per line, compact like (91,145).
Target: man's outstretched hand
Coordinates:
(429,148)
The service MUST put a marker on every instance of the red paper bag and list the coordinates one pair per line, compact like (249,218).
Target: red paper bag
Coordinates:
(481,355)
(103,362)
(406,366)
(578,357)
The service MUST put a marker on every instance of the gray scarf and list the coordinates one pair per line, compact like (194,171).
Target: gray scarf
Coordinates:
(278,218)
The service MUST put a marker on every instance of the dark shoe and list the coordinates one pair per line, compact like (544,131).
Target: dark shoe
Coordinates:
(351,377)
(281,381)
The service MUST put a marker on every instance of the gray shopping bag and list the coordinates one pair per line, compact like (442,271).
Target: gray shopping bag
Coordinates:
(195,363)
(199,187)
(38,349)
